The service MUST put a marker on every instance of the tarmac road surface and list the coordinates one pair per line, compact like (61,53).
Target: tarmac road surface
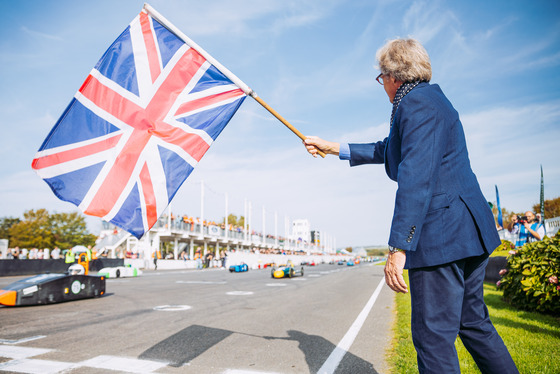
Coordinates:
(335,319)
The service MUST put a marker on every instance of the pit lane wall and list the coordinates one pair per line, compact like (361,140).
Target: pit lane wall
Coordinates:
(33,267)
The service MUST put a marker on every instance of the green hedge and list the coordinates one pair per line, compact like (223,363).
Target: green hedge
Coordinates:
(530,281)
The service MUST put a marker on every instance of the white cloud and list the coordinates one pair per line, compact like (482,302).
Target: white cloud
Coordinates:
(507,145)
(40,35)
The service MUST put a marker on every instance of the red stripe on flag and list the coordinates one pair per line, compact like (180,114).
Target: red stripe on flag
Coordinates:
(153,56)
(179,77)
(208,100)
(190,143)
(116,180)
(76,153)
(149,196)
(111,102)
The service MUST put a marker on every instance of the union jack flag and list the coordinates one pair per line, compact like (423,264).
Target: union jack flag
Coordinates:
(142,120)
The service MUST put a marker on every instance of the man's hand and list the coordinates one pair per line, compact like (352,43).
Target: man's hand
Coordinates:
(315,144)
(394,270)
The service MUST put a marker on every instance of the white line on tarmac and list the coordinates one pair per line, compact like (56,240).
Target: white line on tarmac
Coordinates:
(129,365)
(30,366)
(22,340)
(21,352)
(239,293)
(336,356)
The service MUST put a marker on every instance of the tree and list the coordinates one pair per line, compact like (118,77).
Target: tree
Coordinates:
(33,232)
(551,208)
(5,224)
(506,215)
(39,229)
(69,230)
(233,220)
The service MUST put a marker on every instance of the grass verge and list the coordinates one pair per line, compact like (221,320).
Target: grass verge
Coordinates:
(532,338)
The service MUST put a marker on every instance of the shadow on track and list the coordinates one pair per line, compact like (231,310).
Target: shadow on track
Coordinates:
(185,345)
(194,340)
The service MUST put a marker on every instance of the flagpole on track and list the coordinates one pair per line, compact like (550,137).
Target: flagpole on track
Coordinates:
(161,19)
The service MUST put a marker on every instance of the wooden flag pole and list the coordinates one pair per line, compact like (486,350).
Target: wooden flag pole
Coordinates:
(248,91)
(288,124)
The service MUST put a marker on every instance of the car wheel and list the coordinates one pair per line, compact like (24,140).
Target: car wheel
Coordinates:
(291,273)
(302,271)
(118,273)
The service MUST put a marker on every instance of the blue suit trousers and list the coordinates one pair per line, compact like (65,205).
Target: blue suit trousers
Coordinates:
(447,300)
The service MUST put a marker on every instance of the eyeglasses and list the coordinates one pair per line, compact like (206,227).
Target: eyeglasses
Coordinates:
(379,79)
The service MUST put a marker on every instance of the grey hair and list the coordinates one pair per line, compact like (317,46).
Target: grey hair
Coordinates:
(405,59)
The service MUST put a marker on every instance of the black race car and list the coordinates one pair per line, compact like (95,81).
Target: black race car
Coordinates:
(52,288)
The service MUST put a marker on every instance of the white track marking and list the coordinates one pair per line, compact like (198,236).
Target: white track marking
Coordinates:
(21,352)
(30,366)
(336,356)
(129,365)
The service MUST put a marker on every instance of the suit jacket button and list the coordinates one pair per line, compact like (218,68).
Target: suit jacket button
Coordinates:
(408,240)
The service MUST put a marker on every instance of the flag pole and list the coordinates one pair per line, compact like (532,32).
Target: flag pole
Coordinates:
(238,82)
(281,119)
(542,202)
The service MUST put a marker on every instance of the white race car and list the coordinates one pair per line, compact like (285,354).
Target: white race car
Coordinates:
(120,271)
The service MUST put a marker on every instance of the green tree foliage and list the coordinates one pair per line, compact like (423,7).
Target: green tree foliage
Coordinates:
(506,216)
(531,278)
(34,231)
(39,229)
(5,224)
(69,230)
(551,208)
(233,220)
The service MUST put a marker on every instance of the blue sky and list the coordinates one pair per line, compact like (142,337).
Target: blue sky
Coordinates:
(313,62)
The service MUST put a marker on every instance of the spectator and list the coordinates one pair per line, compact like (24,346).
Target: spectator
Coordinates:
(55,254)
(198,259)
(513,226)
(69,258)
(530,230)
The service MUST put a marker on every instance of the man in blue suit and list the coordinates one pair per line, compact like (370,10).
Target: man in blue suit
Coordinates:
(442,229)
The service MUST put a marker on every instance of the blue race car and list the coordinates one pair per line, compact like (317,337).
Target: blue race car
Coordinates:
(238,268)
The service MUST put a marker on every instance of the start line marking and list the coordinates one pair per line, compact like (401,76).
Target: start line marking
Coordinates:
(336,356)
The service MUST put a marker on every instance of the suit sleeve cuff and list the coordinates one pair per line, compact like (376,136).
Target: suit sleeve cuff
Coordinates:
(344,151)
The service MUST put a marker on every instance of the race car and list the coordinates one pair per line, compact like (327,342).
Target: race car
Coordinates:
(120,271)
(238,268)
(52,288)
(288,270)
(350,263)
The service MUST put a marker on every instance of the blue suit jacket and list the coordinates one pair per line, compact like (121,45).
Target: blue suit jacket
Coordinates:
(440,212)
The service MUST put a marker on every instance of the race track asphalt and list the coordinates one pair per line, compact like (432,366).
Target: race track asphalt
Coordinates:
(334,319)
